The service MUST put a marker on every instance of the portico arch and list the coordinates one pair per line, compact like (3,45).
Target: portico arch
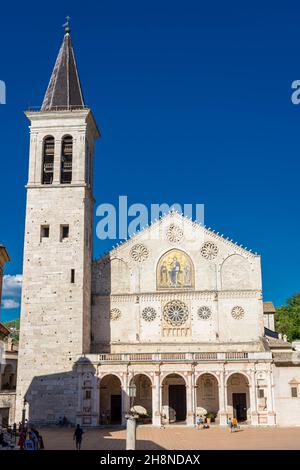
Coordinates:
(174,407)
(143,394)
(207,393)
(238,397)
(110,400)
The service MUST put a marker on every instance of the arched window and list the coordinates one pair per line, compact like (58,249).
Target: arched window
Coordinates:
(175,270)
(48,160)
(66,160)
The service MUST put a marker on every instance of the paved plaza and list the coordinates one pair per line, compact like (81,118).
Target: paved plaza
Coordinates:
(177,438)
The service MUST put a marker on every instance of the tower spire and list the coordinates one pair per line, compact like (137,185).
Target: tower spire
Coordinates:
(64,89)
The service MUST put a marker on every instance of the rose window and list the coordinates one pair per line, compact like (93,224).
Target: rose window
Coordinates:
(139,252)
(204,312)
(174,233)
(115,314)
(175,313)
(149,314)
(209,250)
(237,312)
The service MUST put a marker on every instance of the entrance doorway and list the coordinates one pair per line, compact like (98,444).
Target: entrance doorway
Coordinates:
(4,417)
(110,400)
(173,399)
(177,401)
(239,403)
(238,398)
(116,409)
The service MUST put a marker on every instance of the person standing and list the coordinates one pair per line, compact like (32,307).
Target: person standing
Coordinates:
(234,423)
(21,440)
(35,438)
(78,436)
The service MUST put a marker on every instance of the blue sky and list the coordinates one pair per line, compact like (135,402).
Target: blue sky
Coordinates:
(193,102)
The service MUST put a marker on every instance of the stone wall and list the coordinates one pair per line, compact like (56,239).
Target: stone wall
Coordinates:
(56,294)
(222,302)
(287,407)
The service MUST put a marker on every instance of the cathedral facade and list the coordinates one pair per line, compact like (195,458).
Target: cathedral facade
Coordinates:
(173,320)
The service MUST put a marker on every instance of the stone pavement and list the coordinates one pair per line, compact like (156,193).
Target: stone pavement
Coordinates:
(177,438)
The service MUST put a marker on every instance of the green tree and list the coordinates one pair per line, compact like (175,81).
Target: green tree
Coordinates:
(14,326)
(287,318)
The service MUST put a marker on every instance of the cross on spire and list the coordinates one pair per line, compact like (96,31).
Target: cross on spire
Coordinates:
(67,25)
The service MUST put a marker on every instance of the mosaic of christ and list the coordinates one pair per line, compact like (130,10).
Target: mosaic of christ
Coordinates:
(175,270)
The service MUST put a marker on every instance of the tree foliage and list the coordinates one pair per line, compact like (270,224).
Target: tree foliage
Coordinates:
(287,318)
(14,327)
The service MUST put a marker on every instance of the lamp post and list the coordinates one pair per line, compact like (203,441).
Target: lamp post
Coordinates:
(132,393)
(23,413)
(131,418)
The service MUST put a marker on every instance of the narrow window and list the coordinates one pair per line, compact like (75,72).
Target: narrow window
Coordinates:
(261,393)
(48,160)
(72,276)
(45,231)
(66,160)
(87,394)
(64,232)
(294,392)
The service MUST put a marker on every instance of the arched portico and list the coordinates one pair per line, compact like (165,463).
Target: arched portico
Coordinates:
(238,397)
(143,394)
(207,393)
(110,400)
(174,399)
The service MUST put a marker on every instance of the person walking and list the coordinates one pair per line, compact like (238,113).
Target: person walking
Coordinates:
(35,437)
(21,440)
(234,423)
(78,436)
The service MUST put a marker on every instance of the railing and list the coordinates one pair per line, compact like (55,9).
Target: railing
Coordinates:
(110,357)
(210,356)
(172,356)
(140,357)
(56,108)
(236,355)
(175,357)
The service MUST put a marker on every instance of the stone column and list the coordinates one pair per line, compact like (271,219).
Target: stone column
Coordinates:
(194,397)
(222,399)
(253,400)
(35,160)
(80,398)
(57,161)
(131,431)
(189,402)
(270,401)
(156,399)
(95,401)
(125,398)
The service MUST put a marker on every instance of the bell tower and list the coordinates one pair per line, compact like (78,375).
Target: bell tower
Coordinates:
(56,294)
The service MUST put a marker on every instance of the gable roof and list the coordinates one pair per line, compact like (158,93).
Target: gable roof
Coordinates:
(173,216)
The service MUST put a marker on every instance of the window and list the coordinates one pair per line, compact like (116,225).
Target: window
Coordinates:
(261,393)
(48,160)
(88,394)
(64,232)
(66,160)
(72,276)
(294,392)
(45,231)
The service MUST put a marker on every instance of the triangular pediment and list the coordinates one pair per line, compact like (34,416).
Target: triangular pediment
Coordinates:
(176,228)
